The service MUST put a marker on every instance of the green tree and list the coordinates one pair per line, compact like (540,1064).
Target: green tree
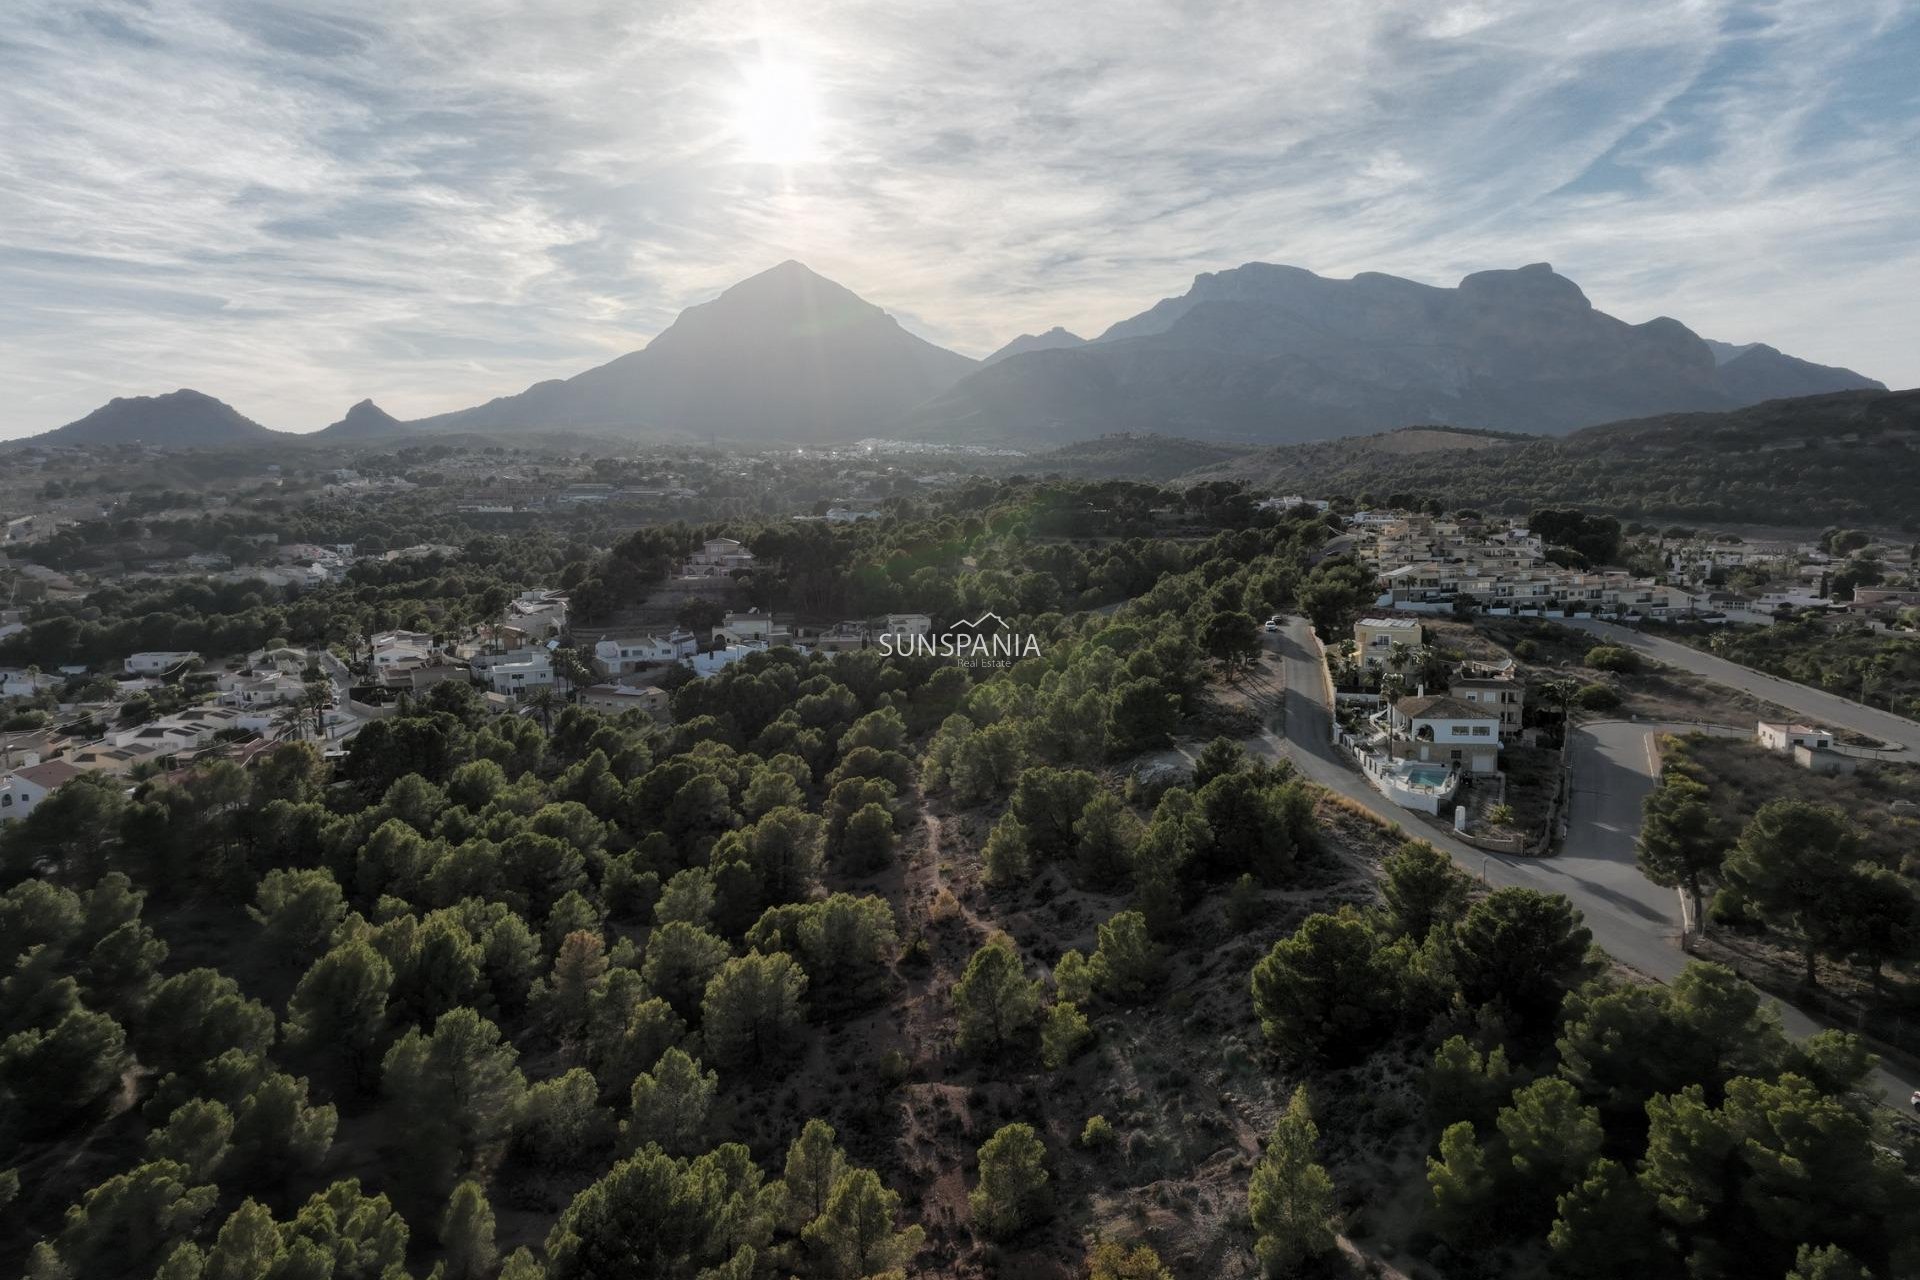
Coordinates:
(298,910)
(995,1002)
(1290,1197)
(1422,888)
(339,1010)
(1550,1140)
(1523,951)
(1682,843)
(248,1247)
(54,1075)
(680,961)
(466,1232)
(1830,1262)
(671,1104)
(1232,639)
(1462,1186)
(455,1092)
(1465,1084)
(855,1235)
(754,1009)
(1012,1192)
(1793,863)
(561,1122)
(278,1133)
(197,1136)
(1606,1229)
(1128,963)
(128,1223)
(1329,991)
(1110,1260)
(814,1164)
(1063,1034)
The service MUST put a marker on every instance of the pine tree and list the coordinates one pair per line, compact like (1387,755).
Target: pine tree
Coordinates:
(814,1164)
(466,1231)
(1290,1198)
(1012,1192)
(994,1000)
(855,1234)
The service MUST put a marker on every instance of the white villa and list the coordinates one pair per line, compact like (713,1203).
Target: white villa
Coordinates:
(158,662)
(1439,729)
(616,657)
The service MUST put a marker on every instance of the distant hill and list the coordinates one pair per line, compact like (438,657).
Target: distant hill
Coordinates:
(1276,354)
(1052,340)
(178,419)
(365,422)
(1128,457)
(1846,458)
(786,355)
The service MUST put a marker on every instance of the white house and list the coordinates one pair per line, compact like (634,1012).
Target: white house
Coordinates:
(1782,737)
(18,682)
(615,657)
(30,784)
(1437,729)
(752,628)
(706,664)
(242,689)
(522,672)
(158,662)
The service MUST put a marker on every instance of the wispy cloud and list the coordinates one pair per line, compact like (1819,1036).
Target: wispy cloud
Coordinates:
(295,205)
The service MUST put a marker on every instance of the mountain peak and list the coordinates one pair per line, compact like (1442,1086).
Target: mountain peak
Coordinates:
(182,418)
(1053,339)
(365,420)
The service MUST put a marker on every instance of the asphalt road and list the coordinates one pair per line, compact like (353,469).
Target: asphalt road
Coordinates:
(1633,920)
(1816,704)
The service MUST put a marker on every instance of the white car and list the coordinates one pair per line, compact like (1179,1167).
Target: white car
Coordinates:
(1273,624)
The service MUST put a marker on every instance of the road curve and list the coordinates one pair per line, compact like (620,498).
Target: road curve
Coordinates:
(1633,920)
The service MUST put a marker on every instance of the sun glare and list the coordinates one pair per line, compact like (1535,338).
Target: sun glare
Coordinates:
(776,113)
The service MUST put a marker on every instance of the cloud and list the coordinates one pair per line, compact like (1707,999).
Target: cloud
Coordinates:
(292,206)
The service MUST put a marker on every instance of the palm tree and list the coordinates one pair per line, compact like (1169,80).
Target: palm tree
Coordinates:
(290,718)
(1393,687)
(1561,690)
(543,702)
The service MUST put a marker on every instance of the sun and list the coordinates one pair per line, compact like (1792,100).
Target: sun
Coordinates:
(777,115)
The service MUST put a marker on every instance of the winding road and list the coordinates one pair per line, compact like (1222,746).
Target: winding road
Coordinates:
(1614,766)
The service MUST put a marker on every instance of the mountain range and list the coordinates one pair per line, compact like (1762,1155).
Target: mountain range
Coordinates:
(1260,354)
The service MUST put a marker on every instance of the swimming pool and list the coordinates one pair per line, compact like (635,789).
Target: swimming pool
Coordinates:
(1434,776)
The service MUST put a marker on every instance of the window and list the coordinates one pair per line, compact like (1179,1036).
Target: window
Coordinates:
(1481,731)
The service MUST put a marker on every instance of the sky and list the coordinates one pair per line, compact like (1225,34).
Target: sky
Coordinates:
(295,206)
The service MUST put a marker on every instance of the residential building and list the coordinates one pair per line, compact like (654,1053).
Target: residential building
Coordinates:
(1439,729)
(1504,696)
(621,656)
(904,626)
(28,785)
(1782,737)
(617,699)
(754,628)
(717,558)
(159,662)
(536,617)
(706,664)
(1376,639)
(522,672)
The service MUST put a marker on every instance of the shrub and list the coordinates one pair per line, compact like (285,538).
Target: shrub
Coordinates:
(1613,657)
(1097,1133)
(1596,697)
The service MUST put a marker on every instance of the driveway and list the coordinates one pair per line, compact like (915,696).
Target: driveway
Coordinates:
(1815,704)
(1633,920)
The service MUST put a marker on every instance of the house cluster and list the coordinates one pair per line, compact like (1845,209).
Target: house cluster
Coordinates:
(1431,564)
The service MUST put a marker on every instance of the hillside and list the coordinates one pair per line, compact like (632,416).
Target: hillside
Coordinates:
(1276,354)
(1849,457)
(786,355)
(1129,457)
(178,419)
